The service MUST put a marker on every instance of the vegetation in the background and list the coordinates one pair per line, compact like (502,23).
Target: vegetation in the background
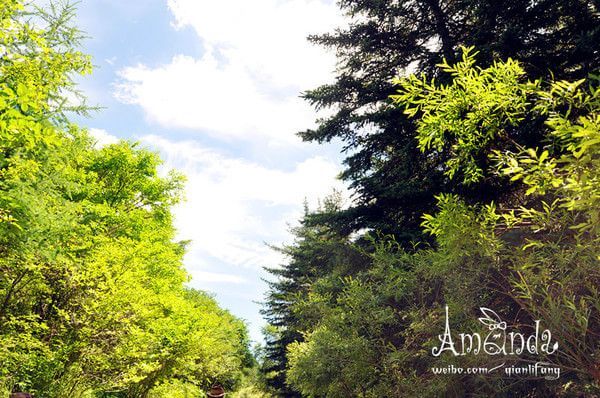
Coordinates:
(92,289)
(315,253)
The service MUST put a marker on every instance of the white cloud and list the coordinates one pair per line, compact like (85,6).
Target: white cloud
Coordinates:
(234,206)
(247,83)
(266,36)
(245,88)
(103,137)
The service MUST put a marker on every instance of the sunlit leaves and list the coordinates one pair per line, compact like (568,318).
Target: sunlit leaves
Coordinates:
(92,289)
(468,115)
(534,255)
(544,247)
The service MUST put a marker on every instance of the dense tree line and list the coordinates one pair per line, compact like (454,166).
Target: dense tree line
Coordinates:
(93,299)
(475,180)
(472,133)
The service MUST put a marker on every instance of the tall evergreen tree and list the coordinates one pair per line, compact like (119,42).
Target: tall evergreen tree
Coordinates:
(316,252)
(395,182)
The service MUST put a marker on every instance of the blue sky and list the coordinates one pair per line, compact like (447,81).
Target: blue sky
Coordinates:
(214,87)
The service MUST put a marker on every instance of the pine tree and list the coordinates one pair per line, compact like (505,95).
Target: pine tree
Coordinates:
(315,252)
(395,182)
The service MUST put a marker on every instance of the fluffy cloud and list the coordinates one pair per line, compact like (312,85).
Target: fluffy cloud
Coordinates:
(103,137)
(246,84)
(268,37)
(234,206)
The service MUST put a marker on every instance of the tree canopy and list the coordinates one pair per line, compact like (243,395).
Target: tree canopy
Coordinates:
(393,180)
(93,296)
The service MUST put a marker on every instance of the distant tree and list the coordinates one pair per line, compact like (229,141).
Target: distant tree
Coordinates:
(315,253)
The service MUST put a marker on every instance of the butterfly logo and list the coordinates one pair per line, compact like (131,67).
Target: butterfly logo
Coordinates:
(491,319)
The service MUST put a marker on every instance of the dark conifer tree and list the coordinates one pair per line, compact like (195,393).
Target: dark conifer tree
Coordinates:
(394,182)
(316,252)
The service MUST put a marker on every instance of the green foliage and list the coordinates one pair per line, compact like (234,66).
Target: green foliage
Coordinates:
(92,290)
(545,251)
(370,315)
(486,180)
(316,252)
(395,182)
(468,115)
(460,228)
(570,171)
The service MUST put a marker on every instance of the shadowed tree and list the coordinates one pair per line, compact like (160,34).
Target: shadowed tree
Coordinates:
(394,181)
